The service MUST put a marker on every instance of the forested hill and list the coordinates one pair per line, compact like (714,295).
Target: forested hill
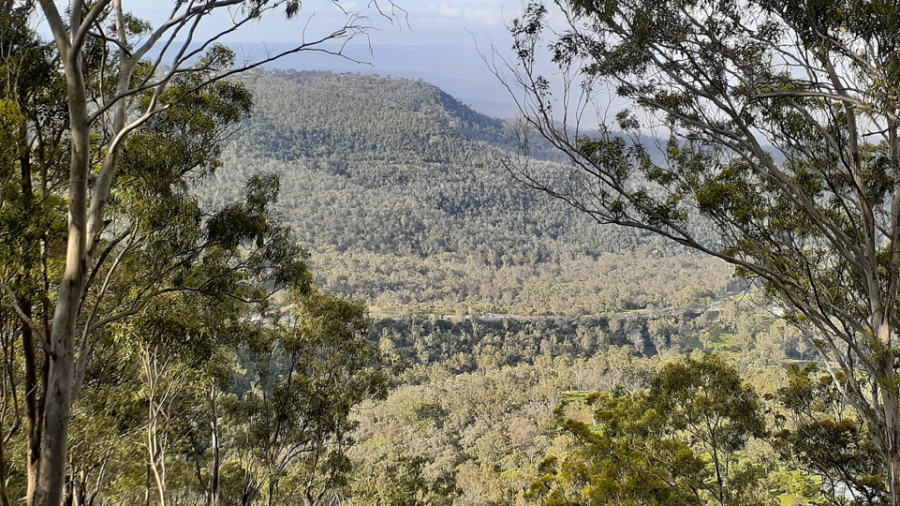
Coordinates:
(399,191)
(352,116)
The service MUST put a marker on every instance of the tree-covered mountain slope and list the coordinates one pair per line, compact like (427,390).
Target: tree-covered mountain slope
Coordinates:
(358,117)
(400,193)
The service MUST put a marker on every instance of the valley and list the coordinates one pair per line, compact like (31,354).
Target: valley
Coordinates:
(673,281)
(491,302)
(400,194)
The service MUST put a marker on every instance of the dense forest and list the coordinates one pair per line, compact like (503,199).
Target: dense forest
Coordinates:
(224,286)
(498,311)
(400,193)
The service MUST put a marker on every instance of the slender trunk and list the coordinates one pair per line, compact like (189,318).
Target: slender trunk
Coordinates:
(4,493)
(32,412)
(892,444)
(890,410)
(152,449)
(893,468)
(214,485)
(152,375)
(61,369)
(148,485)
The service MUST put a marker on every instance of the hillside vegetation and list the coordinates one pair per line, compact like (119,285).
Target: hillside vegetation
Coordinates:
(400,193)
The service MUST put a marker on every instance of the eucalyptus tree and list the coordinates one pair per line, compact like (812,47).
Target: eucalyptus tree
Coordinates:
(32,212)
(818,435)
(197,400)
(289,431)
(678,443)
(780,133)
(115,97)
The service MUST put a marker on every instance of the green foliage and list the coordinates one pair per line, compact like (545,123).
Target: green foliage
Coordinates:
(707,398)
(401,194)
(782,141)
(467,438)
(623,460)
(823,438)
(677,443)
(177,300)
(197,389)
(466,343)
(291,427)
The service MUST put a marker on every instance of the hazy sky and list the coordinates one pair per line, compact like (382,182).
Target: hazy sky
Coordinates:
(426,22)
(438,41)
(441,42)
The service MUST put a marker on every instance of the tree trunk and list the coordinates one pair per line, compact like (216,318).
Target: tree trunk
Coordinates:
(33,413)
(217,462)
(61,368)
(892,445)
(33,417)
(152,450)
(890,409)
(892,460)
(4,493)
(155,454)
(54,444)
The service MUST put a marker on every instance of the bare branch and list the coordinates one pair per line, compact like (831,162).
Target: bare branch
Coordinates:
(24,317)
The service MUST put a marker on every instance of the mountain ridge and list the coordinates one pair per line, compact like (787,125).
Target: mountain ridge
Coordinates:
(399,191)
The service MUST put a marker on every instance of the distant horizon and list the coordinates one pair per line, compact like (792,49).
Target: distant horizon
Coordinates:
(438,42)
(457,70)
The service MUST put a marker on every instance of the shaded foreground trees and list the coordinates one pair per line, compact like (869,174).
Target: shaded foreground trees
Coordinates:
(676,443)
(824,439)
(99,149)
(783,137)
(698,436)
(191,405)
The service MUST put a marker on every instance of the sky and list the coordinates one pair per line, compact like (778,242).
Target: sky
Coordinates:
(439,42)
(425,22)
(444,43)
